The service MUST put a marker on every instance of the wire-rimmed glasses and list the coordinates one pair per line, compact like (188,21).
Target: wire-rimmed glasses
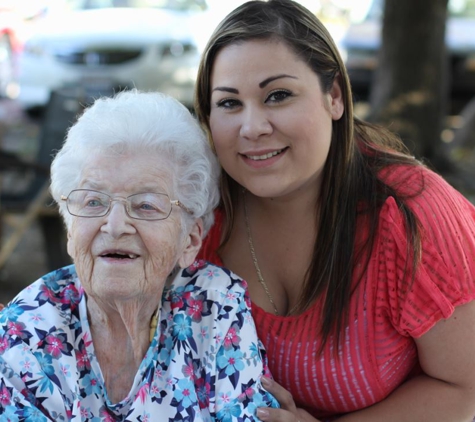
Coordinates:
(141,206)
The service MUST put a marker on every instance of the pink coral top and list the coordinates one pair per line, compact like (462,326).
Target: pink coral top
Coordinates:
(377,352)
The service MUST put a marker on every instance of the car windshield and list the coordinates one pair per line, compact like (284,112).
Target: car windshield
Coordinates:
(187,5)
(457,8)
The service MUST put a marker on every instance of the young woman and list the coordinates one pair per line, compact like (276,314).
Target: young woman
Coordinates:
(360,260)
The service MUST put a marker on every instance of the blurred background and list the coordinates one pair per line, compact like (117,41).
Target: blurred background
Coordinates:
(411,65)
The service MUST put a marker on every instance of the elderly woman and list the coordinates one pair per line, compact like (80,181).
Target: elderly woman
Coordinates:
(135,330)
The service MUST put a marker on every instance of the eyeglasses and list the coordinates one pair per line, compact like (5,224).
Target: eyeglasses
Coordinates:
(141,206)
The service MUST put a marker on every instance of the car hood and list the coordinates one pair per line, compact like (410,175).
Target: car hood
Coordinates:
(115,26)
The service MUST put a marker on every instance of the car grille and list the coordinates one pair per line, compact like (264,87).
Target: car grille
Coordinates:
(99,57)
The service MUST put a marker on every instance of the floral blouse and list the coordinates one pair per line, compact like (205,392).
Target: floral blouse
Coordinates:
(204,364)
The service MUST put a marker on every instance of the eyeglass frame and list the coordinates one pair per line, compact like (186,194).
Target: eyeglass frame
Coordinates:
(126,204)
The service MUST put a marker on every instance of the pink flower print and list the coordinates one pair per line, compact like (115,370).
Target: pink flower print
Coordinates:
(65,370)
(105,415)
(195,309)
(212,273)
(15,328)
(159,372)
(3,345)
(47,295)
(170,382)
(176,301)
(35,318)
(231,338)
(188,370)
(231,296)
(5,398)
(87,340)
(70,296)
(154,390)
(27,364)
(203,334)
(224,398)
(198,264)
(203,390)
(55,347)
(82,360)
(84,413)
(143,392)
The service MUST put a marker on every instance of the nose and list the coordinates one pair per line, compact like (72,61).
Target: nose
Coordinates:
(255,123)
(117,221)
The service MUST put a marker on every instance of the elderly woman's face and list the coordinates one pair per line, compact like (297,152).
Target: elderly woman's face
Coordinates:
(116,256)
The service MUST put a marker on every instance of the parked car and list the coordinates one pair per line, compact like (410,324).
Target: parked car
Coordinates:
(107,45)
(363,40)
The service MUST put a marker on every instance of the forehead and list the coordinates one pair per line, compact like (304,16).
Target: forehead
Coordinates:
(128,173)
(256,55)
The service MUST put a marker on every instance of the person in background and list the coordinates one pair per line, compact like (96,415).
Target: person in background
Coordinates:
(360,260)
(136,330)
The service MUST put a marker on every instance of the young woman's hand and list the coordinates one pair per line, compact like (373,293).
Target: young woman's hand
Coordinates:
(288,411)
(1,306)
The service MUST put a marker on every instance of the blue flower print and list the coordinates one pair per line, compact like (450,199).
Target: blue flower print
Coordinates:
(11,312)
(36,318)
(204,362)
(45,362)
(91,384)
(258,400)
(182,327)
(203,334)
(229,412)
(167,353)
(27,364)
(185,392)
(212,273)
(10,414)
(33,415)
(231,361)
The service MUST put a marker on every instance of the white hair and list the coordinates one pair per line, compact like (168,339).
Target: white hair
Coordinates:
(151,123)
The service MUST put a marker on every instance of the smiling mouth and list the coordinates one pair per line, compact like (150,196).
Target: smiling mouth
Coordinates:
(120,255)
(265,156)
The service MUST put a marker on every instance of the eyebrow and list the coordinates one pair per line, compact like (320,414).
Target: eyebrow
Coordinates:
(273,78)
(262,84)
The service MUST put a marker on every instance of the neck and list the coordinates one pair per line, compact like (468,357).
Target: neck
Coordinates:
(121,337)
(283,211)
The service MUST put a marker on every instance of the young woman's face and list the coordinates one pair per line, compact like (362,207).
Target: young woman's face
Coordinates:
(270,121)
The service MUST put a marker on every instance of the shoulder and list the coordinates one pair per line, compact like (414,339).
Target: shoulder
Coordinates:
(48,303)
(203,276)
(428,195)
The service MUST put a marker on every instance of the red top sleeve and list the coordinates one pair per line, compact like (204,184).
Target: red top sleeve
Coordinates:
(445,275)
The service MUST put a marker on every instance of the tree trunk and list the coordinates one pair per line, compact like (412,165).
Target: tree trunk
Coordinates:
(410,91)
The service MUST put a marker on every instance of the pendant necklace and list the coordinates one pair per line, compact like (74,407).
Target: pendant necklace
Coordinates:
(254,258)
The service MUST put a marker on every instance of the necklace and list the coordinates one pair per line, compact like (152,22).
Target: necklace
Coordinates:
(153,324)
(254,258)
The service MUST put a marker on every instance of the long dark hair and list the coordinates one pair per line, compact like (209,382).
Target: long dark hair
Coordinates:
(358,153)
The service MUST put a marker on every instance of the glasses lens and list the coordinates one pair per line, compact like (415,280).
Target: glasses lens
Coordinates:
(149,206)
(88,203)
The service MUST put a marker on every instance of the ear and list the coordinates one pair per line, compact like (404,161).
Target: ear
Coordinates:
(192,244)
(337,106)
(70,245)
